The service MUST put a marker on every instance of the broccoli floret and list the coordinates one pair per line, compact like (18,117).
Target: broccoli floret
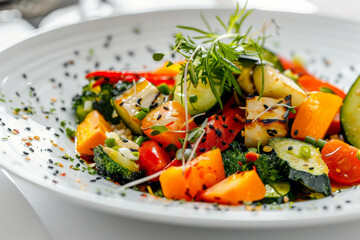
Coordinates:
(234,159)
(100,101)
(270,169)
(111,163)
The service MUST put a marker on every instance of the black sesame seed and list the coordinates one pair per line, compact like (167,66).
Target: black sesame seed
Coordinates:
(17,94)
(56,135)
(290,148)
(125,140)
(63,108)
(139,100)
(67,74)
(26,153)
(50,167)
(296,132)
(231,131)
(122,103)
(225,126)
(338,207)
(211,126)
(266,106)
(130,53)
(203,140)
(218,132)
(93,180)
(217,117)
(223,118)
(236,120)
(98,178)
(61,130)
(202,149)
(31,149)
(325,207)
(158,117)
(27,128)
(223,143)
(165,107)
(51,161)
(118,58)
(65,157)
(48,128)
(97,65)
(24,76)
(49,150)
(348,201)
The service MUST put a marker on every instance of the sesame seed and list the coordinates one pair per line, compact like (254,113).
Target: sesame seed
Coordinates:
(223,143)
(158,117)
(165,107)
(203,140)
(218,132)
(296,132)
(25,153)
(211,126)
(267,149)
(231,131)
(217,117)
(225,126)
(290,148)
(223,118)
(202,149)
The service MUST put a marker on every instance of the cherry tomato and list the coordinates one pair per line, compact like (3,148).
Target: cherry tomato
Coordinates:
(153,158)
(343,164)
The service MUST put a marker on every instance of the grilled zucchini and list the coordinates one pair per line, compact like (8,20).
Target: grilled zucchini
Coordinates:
(142,95)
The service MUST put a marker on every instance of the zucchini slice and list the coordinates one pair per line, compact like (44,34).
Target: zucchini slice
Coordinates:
(200,98)
(127,105)
(350,114)
(277,192)
(309,169)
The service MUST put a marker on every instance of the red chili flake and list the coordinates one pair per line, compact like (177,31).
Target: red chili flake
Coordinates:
(63,174)
(240,163)
(28,144)
(143,195)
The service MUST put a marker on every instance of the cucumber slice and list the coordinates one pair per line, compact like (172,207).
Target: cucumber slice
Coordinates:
(350,114)
(312,172)
(276,192)
(267,55)
(204,99)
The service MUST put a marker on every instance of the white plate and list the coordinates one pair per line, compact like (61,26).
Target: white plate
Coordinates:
(52,65)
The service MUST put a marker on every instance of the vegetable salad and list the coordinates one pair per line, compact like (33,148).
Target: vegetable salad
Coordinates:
(232,123)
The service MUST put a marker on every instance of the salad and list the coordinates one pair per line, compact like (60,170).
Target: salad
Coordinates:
(231,123)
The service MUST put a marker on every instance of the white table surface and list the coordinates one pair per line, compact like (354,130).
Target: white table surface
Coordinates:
(65,220)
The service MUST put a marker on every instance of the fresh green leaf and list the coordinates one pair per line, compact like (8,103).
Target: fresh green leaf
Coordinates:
(158,56)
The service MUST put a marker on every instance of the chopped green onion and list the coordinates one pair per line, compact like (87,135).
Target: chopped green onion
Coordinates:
(110,142)
(70,132)
(141,115)
(63,123)
(326,90)
(305,152)
(164,89)
(140,139)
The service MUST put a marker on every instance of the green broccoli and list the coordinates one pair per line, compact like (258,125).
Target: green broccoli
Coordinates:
(270,169)
(234,159)
(90,100)
(111,163)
